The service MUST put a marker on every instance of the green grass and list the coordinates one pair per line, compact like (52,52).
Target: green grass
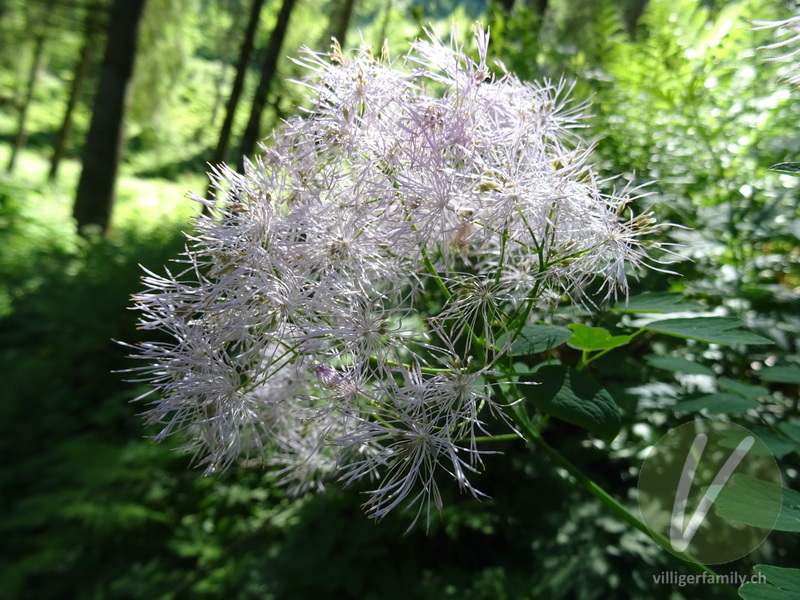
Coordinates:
(140,203)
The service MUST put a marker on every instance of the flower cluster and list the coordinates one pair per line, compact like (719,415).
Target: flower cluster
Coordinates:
(342,308)
(789,30)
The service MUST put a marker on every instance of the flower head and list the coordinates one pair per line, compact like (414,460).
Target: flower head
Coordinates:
(341,309)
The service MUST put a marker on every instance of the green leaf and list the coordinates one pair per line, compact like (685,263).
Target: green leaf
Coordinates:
(594,338)
(661,302)
(716,404)
(789,519)
(543,364)
(745,390)
(780,374)
(782,583)
(777,444)
(790,429)
(676,364)
(537,338)
(522,368)
(751,501)
(787,168)
(714,330)
(574,397)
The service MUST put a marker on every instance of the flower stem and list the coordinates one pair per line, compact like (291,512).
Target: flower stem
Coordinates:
(503,437)
(613,504)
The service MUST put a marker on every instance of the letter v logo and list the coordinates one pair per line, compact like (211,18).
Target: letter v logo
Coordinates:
(695,491)
(679,537)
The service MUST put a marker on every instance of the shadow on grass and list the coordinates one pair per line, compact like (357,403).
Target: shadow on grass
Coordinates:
(74,462)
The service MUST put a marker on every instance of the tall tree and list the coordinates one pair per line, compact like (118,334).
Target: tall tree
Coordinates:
(234,8)
(387,13)
(221,150)
(91,28)
(101,152)
(39,37)
(633,11)
(22,116)
(269,66)
(340,21)
(165,44)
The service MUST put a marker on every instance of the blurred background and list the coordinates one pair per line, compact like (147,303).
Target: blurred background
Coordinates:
(111,111)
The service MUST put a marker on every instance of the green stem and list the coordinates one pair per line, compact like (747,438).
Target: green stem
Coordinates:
(426,261)
(393,363)
(503,437)
(432,272)
(611,503)
(586,359)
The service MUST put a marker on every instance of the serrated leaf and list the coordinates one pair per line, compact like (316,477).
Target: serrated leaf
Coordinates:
(751,501)
(780,374)
(594,338)
(787,168)
(537,338)
(675,364)
(782,583)
(713,330)
(574,397)
(658,302)
(727,18)
(716,404)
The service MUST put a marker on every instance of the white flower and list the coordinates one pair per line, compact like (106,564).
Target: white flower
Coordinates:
(416,428)
(789,29)
(339,310)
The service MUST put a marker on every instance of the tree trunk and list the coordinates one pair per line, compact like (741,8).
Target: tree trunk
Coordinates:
(268,68)
(91,26)
(225,53)
(221,151)
(633,12)
(340,21)
(540,6)
(387,13)
(19,139)
(101,152)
